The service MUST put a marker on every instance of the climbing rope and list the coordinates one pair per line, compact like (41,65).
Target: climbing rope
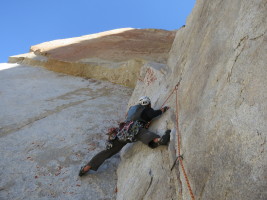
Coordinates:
(178,135)
(170,95)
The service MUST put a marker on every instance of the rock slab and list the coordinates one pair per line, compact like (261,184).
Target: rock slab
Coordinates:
(52,124)
(220,58)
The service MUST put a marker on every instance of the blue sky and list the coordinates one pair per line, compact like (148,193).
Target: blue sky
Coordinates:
(29,22)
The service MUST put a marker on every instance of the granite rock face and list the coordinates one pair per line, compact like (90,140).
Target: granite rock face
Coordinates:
(145,173)
(116,55)
(220,58)
(51,125)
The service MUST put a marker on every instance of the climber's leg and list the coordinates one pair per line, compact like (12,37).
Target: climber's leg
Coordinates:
(99,158)
(152,139)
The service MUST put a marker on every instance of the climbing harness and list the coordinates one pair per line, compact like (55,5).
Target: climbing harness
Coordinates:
(128,132)
(178,135)
(125,133)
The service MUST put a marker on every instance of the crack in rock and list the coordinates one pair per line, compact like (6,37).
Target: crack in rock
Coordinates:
(257,37)
(241,41)
(16,127)
(237,56)
(150,183)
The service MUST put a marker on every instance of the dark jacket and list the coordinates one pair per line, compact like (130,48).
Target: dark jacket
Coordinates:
(149,113)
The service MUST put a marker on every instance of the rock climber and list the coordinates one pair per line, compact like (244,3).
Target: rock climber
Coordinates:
(134,128)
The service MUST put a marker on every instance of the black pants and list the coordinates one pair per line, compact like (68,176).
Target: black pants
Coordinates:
(147,137)
(143,135)
(99,158)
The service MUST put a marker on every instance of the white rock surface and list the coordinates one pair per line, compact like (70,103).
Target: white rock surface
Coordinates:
(50,125)
(220,58)
(220,55)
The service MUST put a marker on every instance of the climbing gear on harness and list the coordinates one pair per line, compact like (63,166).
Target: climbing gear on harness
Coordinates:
(134,113)
(109,144)
(125,133)
(112,133)
(82,172)
(129,131)
(164,140)
(144,101)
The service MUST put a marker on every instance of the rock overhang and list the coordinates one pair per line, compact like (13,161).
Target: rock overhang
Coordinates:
(116,56)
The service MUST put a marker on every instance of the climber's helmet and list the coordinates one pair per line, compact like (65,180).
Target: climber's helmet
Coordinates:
(144,101)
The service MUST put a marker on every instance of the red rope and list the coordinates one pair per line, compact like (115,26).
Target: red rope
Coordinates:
(168,97)
(179,140)
(175,88)
(186,179)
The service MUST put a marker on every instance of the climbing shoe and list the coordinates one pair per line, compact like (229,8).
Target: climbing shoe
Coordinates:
(164,140)
(82,171)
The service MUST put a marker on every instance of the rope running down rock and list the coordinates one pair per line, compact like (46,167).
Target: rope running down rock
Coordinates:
(178,135)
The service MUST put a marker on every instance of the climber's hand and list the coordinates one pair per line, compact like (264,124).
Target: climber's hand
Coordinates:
(164,109)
